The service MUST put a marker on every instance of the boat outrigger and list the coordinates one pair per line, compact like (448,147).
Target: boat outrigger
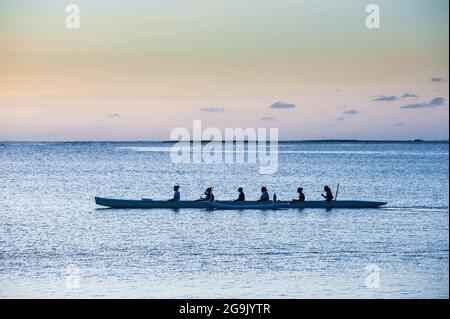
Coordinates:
(148,203)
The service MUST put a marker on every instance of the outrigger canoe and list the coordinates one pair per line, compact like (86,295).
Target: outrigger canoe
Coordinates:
(148,203)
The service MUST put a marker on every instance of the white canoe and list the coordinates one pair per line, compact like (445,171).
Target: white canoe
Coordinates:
(148,203)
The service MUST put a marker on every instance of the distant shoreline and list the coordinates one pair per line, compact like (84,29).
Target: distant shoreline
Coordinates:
(246,141)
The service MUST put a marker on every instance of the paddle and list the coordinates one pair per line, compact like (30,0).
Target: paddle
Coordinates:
(331,205)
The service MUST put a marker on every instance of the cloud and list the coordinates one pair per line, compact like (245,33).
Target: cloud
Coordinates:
(406,95)
(386,98)
(391,98)
(268,118)
(437,101)
(282,105)
(437,79)
(213,109)
(114,115)
(350,112)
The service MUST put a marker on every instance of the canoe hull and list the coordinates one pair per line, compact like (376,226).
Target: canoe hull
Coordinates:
(129,203)
(336,204)
(241,205)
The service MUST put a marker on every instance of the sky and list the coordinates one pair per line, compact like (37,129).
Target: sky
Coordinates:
(136,69)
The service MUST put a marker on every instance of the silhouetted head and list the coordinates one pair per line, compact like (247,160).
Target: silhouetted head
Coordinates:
(240,189)
(209,189)
(263,189)
(300,189)
(176,187)
(326,188)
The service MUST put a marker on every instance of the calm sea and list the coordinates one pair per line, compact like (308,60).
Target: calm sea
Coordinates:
(55,242)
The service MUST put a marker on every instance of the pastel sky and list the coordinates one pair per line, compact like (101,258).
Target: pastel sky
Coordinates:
(136,69)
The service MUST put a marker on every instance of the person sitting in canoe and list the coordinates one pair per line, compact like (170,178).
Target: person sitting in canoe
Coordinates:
(176,194)
(328,194)
(264,195)
(301,195)
(241,197)
(209,194)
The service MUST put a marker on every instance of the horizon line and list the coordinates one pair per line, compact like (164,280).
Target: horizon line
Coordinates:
(207,141)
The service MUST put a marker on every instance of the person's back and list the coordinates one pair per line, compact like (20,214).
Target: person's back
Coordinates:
(301,195)
(241,197)
(209,194)
(328,194)
(265,195)
(176,194)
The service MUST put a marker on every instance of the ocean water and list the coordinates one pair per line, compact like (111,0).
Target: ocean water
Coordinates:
(55,242)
